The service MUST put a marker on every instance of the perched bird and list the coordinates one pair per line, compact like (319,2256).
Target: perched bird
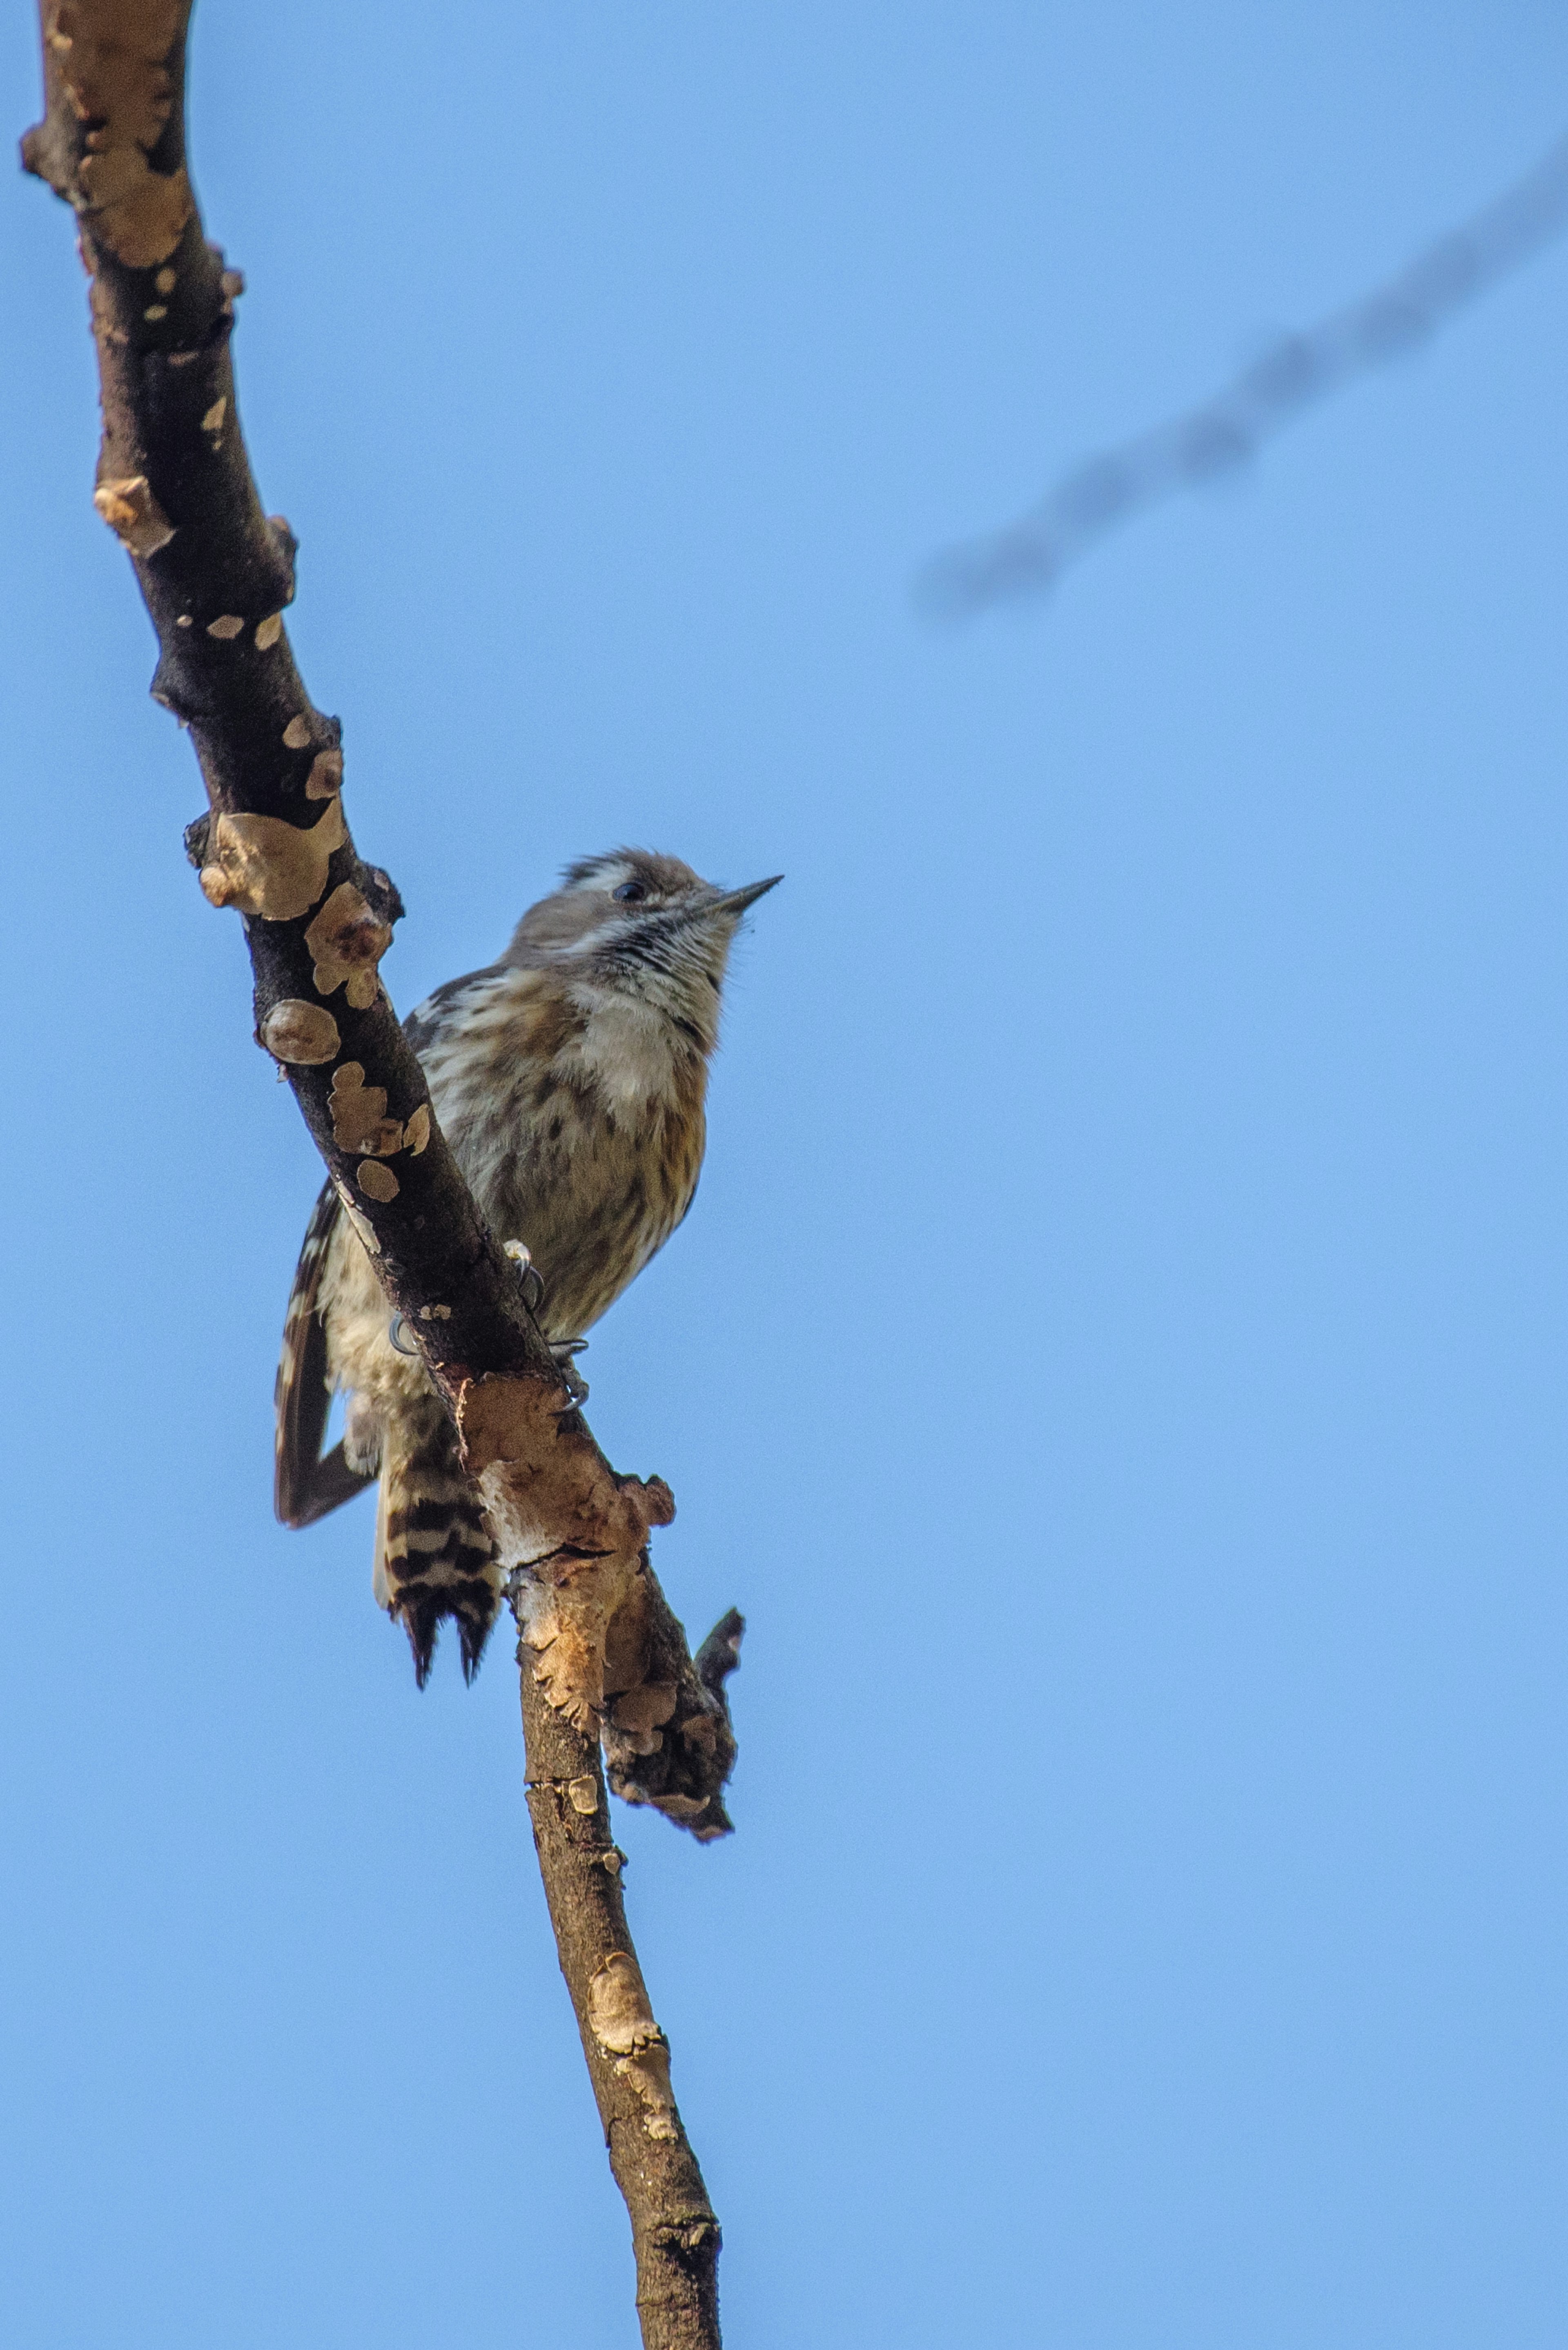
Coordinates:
(569,1078)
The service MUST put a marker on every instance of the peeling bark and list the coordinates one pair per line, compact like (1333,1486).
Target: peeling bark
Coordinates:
(602,1654)
(675,2233)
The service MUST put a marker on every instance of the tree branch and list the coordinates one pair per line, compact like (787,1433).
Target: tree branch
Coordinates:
(602,1653)
(1223,431)
(675,2234)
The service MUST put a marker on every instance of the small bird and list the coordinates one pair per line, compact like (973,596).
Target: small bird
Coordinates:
(569,1078)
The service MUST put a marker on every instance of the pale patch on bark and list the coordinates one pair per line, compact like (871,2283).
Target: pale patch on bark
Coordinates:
(345,942)
(112,57)
(363,1231)
(359,1120)
(325,776)
(622,2021)
(640,1713)
(560,1515)
(134,514)
(377,1181)
(300,1032)
(263,865)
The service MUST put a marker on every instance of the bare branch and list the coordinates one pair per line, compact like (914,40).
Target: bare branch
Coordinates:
(602,1652)
(1230,427)
(674,2232)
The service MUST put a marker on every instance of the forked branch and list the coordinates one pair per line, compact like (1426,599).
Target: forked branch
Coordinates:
(603,1655)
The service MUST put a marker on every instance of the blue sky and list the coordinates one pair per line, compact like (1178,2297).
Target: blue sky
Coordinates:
(1116,1360)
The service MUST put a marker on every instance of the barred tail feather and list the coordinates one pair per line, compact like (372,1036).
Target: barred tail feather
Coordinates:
(434,1556)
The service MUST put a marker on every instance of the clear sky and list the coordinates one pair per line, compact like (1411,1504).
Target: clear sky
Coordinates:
(1117,1358)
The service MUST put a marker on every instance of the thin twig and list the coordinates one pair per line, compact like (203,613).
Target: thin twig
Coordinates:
(675,2233)
(1225,430)
(602,1653)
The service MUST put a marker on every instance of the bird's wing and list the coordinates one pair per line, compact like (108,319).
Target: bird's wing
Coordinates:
(426,1022)
(305,1486)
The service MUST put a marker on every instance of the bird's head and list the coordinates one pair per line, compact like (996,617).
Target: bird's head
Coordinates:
(643,924)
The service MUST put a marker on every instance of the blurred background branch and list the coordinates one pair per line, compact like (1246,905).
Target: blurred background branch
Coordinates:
(1222,433)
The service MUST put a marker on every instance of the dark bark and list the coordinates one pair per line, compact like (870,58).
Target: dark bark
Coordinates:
(216,573)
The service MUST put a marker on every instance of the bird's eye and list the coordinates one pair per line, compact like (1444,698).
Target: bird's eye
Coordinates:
(631,892)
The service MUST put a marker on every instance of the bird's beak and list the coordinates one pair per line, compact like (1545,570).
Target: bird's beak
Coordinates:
(735,902)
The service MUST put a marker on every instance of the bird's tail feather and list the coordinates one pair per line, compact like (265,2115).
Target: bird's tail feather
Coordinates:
(434,1556)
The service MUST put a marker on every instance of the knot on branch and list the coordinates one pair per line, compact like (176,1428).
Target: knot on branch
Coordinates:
(380,893)
(690,2235)
(669,1740)
(286,547)
(134,514)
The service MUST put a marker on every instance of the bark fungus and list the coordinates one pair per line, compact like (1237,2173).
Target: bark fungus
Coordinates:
(604,1659)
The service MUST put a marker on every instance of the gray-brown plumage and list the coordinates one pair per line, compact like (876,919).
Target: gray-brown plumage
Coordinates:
(569,1078)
